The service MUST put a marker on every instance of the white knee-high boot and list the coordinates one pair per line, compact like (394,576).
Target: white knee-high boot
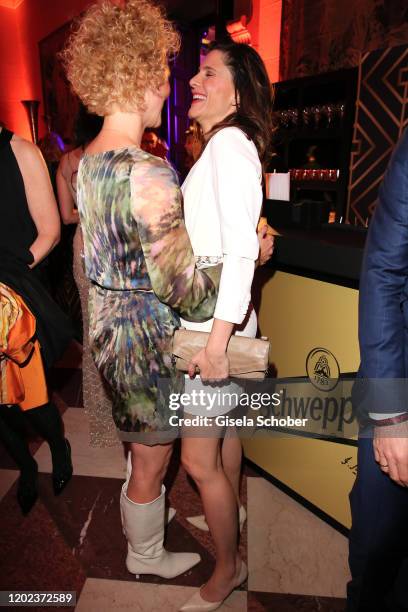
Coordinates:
(143,525)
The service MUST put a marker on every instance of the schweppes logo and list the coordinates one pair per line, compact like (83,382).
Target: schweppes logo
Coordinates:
(322,369)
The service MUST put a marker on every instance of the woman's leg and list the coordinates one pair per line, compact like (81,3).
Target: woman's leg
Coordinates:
(144,515)
(201,458)
(47,421)
(12,435)
(231,455)
(149,466)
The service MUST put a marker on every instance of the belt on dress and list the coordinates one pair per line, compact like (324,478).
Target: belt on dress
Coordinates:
(124,289)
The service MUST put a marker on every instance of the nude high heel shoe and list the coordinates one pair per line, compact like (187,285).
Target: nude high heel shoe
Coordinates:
(200,522)
(197,604)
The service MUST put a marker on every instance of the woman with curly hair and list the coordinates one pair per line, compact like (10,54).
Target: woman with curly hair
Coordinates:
(137,254)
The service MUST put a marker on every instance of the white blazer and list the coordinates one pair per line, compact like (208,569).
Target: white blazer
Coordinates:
(222,204)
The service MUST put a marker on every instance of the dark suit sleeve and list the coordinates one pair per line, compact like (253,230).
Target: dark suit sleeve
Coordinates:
(383,286)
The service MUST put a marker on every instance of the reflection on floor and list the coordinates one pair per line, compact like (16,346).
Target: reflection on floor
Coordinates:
(75,542)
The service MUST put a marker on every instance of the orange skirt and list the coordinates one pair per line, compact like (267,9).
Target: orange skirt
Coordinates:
(22,376)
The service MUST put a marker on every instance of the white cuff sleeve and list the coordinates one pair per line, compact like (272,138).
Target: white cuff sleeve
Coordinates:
(234,293)
(378,416)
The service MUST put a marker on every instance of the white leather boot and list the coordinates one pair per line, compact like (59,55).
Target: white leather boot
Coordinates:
(143,526)
(170,512)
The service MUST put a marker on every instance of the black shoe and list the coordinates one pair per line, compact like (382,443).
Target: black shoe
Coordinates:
(27,492)
(62,474)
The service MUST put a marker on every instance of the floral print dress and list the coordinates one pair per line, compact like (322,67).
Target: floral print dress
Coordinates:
(142,270)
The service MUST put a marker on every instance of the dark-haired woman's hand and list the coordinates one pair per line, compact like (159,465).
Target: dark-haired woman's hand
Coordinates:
(212,366)
(266,243)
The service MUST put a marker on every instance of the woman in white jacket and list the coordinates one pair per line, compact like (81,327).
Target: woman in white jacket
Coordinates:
(232,102)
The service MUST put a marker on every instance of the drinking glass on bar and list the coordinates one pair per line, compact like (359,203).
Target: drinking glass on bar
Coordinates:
(306,115)
(334,175)
(328,110)
(317,115)
(293,116)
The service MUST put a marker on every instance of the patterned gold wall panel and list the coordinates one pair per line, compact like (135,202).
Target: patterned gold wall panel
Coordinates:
(326,35)
(381,116)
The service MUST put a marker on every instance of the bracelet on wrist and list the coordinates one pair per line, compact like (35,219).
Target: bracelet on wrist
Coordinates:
(401,418)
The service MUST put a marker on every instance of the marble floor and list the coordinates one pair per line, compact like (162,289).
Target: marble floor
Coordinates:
(75,543)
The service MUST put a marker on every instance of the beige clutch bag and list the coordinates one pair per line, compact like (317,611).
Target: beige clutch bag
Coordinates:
(248,357)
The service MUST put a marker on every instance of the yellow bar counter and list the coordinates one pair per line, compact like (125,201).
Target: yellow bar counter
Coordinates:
(308,304)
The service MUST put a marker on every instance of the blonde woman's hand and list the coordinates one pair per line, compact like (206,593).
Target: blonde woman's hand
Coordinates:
(213,367)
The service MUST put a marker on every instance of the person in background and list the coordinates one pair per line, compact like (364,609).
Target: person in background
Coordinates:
(62,285)
(379,498)
(232,103)
(52,148)
(154,144)
(193,145)
(29,230)
(86,128)
(97,399)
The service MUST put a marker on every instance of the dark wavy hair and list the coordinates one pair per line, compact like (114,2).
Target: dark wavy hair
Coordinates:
(254,95)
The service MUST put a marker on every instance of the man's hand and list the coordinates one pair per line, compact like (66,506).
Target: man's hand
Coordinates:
(266,242)
(391,451)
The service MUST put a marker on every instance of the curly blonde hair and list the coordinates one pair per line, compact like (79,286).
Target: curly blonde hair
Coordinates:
(117,52)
